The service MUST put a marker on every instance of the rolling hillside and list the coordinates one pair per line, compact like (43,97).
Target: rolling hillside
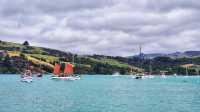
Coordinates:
(18,56)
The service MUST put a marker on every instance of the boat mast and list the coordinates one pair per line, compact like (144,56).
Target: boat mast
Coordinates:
(73,63)
(140,56)
(40,66)
(150,67)
(73,59)
(186,71)
(40,63)
(197,71)
(27,64)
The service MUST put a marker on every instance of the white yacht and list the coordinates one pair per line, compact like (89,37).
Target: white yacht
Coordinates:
(27,76)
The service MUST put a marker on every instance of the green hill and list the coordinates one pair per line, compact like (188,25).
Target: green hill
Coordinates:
(15,57)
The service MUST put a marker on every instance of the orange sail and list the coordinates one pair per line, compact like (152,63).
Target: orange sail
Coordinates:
(68,69)
(56,69)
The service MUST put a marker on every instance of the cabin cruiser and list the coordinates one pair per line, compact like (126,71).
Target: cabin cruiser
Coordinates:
(140,76)
(27,76)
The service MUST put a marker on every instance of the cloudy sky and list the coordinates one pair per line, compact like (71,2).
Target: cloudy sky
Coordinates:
(110,27)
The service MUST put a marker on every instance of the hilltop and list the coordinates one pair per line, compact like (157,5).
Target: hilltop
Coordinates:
(15,58)
(186,54)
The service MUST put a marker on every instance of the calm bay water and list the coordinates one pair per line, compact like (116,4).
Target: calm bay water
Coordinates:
(100,94)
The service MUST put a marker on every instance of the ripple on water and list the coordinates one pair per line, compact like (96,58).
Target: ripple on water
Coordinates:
(100,94)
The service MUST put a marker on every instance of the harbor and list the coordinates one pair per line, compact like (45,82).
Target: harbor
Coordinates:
(100,93)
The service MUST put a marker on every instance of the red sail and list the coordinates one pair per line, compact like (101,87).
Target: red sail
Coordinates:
(68,69)
(56,69)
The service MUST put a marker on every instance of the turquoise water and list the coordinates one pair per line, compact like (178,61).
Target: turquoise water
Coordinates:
(100,94)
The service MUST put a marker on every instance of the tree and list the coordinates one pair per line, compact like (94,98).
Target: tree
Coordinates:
(22,55)
(26,43)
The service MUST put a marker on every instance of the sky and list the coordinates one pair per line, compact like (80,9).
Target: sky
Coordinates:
(105,27)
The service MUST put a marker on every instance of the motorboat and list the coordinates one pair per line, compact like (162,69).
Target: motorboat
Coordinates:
(27,76)
(27,79)
(140,76)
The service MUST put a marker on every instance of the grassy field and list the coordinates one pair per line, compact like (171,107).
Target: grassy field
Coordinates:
(36,61)
(46,56)
(112,62)
(35,58)
(13,53)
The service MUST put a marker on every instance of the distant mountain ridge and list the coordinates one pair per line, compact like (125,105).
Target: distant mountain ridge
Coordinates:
(187,54)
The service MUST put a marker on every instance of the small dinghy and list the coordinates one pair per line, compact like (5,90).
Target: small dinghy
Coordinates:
(39,75)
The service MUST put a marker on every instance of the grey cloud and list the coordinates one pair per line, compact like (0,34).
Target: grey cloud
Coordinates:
(110,27)
(10,7)
(71,5)
(166,5)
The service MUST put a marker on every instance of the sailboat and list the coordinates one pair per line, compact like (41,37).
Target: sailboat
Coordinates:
(140,75)
(197,71)
(116,74)
(163,74)
(174,74)
(186,70)
(27,75)
(68,72)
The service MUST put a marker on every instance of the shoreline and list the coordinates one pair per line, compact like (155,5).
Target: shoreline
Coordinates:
(97,74)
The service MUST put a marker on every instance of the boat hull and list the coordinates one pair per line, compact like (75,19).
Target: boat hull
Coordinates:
(27,79)
(66,78)
(139,77)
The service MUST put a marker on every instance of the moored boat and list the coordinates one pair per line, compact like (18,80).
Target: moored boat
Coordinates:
(163,74)
(27,79)
(175,75)
(116,74)
(139,76)
(27,76)
(68,72)
(39,75)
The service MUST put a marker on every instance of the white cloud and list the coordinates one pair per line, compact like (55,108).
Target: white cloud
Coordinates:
(110,27)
